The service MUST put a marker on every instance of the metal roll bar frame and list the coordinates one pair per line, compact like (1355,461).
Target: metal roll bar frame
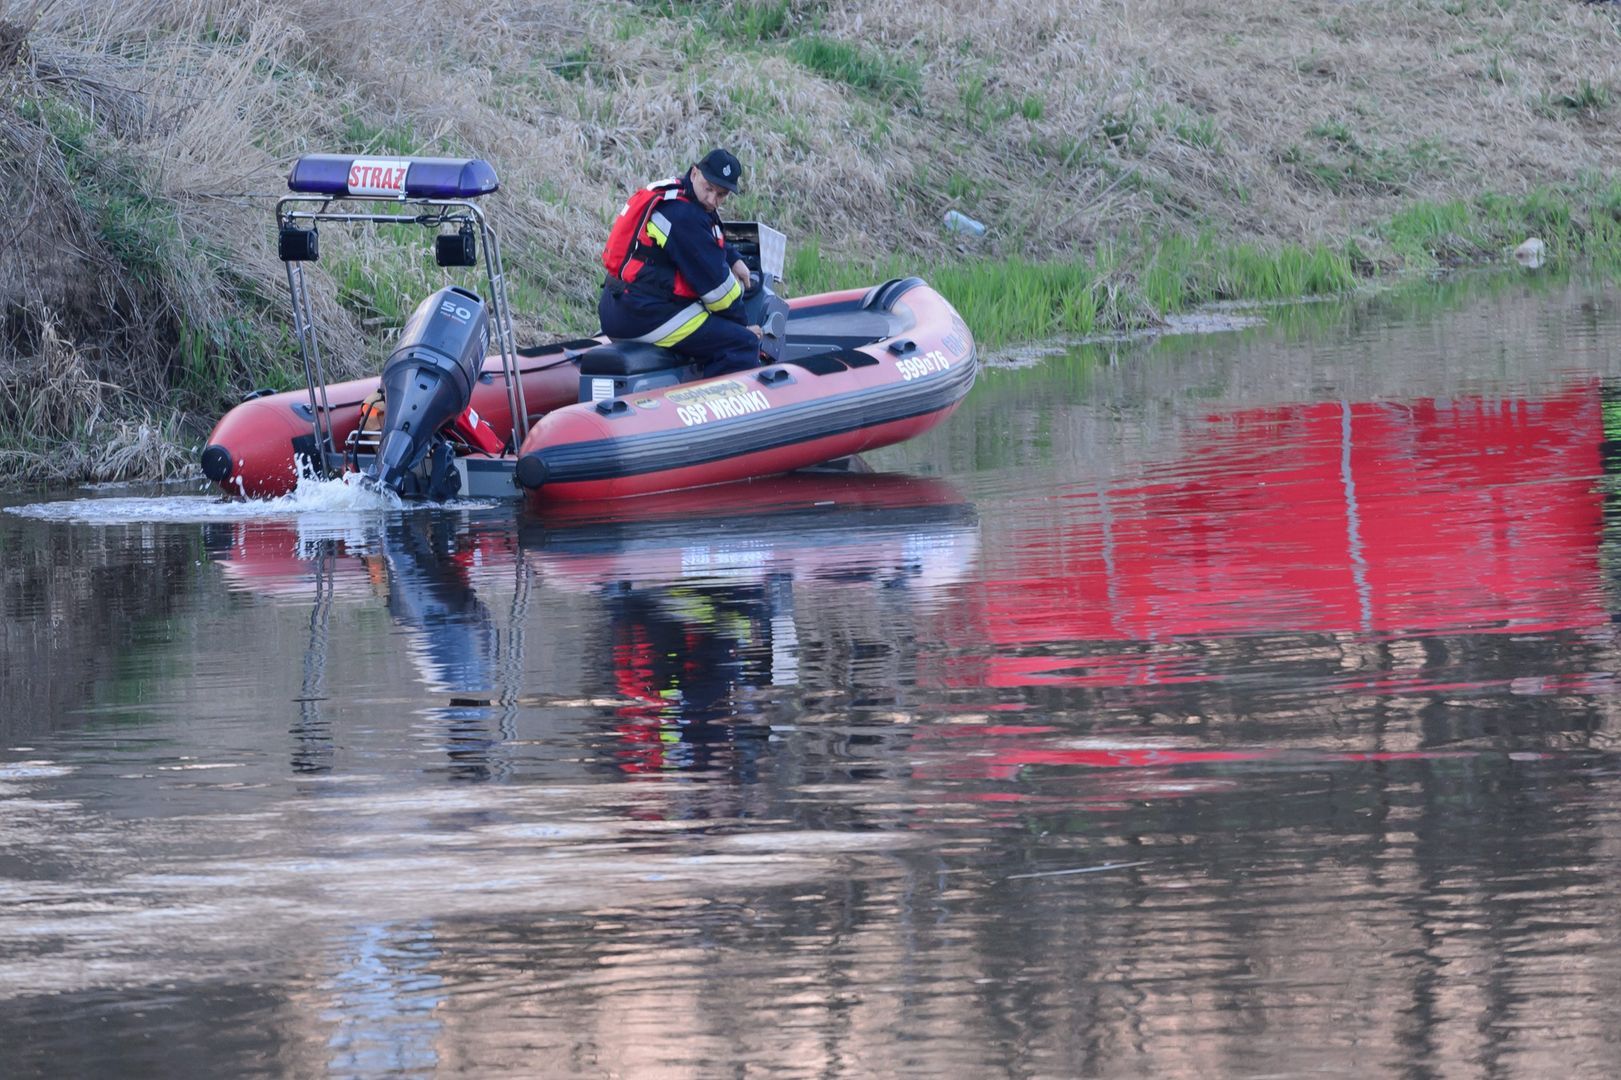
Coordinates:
(449,212)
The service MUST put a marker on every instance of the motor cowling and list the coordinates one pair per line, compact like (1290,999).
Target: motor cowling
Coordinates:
(428,379)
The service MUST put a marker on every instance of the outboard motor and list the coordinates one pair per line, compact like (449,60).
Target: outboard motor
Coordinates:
(427,383)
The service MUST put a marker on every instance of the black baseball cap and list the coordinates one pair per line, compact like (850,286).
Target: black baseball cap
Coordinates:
(721,168)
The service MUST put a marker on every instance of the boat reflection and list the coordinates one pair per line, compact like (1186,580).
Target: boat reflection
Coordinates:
(1329,579)
(1381,521)
(679,616)
(702,614)
(1329,585)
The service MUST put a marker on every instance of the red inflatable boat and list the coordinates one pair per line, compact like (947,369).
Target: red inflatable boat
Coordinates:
(860,370)
(262,446)
(464,411)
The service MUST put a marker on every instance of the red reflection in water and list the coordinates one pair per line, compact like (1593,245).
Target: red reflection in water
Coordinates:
(1372,518)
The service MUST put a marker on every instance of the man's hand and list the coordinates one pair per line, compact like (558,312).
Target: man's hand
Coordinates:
(757,331)
(740,270)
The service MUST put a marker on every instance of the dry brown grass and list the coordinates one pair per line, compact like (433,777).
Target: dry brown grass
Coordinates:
(1060,124)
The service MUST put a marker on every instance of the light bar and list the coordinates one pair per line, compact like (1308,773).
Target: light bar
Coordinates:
(340,175)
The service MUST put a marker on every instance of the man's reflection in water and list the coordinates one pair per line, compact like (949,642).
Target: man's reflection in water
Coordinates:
(696,659)
(698,614)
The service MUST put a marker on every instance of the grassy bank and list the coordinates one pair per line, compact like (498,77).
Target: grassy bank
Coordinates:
(1137,280)
(1129,161)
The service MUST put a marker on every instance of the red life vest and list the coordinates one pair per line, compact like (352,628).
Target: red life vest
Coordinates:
(630,247)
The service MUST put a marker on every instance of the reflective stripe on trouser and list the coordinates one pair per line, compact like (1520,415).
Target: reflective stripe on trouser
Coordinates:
(723,346)
(677,328)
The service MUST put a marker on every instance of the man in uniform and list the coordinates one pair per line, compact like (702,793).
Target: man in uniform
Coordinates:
(671,278)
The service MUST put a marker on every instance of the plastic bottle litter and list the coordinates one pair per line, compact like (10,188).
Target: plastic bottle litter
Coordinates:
(1531,254)
(962,223)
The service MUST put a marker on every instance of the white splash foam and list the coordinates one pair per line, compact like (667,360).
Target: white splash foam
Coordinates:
(344,497)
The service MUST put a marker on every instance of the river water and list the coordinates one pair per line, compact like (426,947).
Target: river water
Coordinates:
(1225,704)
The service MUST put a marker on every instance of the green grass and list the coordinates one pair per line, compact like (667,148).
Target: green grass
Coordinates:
(362,136)
(1588,97)
(1583,222)
(1430,233)
(1012,300)
(382,272)
(738,21)
(1005,301)
(1066,152)
(575,63)
(1199,132)
(982,109)
(137,228)
(382,281)
(761,20)
(870,70)
(214,341)
(1337,161)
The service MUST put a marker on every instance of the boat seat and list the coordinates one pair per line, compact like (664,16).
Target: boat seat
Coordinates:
(623,358)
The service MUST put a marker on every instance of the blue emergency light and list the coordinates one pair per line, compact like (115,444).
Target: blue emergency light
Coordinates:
(343,175)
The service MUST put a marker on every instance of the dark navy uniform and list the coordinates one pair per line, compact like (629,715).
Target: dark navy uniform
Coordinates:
(676,287)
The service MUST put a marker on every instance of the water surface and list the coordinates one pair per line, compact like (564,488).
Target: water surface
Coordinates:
(1228,704)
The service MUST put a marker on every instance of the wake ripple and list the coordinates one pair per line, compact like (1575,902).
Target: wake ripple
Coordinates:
(345,497)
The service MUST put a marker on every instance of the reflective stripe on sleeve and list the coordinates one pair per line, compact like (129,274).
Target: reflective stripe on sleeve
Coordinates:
(721,296)
(658,227)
